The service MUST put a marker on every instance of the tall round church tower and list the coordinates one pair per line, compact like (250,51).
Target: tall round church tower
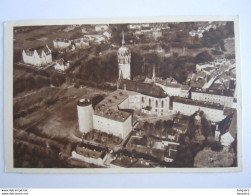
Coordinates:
(124,60)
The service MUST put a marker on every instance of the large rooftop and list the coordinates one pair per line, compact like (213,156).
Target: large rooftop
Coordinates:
(109,107)
(143,88)
(198,103)
(90,151)
(214,92)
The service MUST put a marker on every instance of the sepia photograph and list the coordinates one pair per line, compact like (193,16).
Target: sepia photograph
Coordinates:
(162,95)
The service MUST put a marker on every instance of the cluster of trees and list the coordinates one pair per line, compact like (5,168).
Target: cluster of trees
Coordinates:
(175,65)
(99,69)
(117,33)
(57,79)
(29,82)
(199,129)
(209,158)
(187,152)
(159,129)
(192,147)
(217,36)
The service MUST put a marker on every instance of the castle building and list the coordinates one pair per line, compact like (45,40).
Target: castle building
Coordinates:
(124,60)
(37,57)
(85,115)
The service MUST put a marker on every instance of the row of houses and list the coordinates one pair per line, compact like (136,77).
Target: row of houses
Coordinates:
(81,43)
(37,56)
(201,29)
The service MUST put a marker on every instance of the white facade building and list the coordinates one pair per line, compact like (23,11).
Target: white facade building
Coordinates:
(224,98)
(61,43)
(61,65)
(115,126)
(37,57)
(213,112)
(81,43)
(90,154)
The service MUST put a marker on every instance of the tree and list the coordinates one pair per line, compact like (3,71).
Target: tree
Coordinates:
(209,158)
(96,100)
(216,146)
(136,63)
(206,127)
(158,127)
(203,57)
(57,79)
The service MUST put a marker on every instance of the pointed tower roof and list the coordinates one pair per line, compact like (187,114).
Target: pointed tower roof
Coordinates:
(123,50)
(123,38)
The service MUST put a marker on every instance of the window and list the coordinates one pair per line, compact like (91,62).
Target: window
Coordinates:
(143,100)
(156,103)
(150,102)
(162,104)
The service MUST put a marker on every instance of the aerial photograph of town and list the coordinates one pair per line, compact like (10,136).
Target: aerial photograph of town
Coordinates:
(135,95)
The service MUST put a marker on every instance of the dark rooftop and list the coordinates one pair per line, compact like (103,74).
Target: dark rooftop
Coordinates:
(91,151)
(143,88)
(214,92)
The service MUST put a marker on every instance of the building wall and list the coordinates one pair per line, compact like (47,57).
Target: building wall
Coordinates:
(226,139)
(213,98)
(117,128)
(214,115)
(85,118)
(124,104)
(174,91)
(134,102)
(160,106)
(125,70)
